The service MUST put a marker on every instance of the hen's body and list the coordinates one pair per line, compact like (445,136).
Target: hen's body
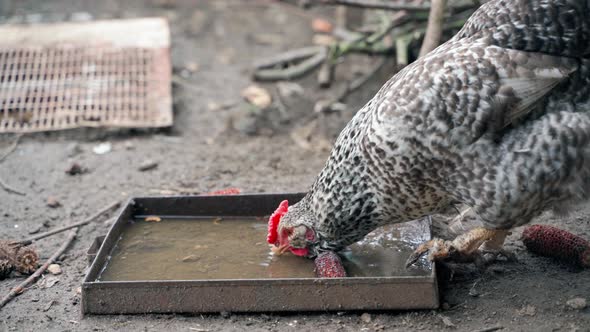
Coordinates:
(497,118)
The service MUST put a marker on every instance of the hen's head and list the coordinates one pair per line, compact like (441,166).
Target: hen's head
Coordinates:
(290,229)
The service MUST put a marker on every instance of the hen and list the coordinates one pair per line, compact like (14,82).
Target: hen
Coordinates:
(496,118)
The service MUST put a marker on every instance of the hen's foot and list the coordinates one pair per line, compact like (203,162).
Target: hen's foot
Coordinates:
(463,248)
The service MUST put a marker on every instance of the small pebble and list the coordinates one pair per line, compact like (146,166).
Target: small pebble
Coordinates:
(148,165)
(321,26)
(54,269)
(366,317)
(446,306)
(76,169)
(102,148)
(577,303)
(192,66)
(52,202)
(190,259)
(129,145)
(36,229)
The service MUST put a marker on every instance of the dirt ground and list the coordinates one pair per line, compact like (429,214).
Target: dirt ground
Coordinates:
(212,147)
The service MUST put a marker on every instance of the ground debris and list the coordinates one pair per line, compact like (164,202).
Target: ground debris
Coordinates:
(48,282)
(23,259)
(577,303)
(366,317)
(490,329)
(257,96)
(54,269)
(190,259)
(198,329)
(102,148)
(527,310)
(192,66)
(321,26)
(153,219)
(147,165)
(48,306)
(52,202)
(446,321)
(76,169)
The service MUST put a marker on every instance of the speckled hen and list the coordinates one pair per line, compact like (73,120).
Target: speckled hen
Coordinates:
(496,118)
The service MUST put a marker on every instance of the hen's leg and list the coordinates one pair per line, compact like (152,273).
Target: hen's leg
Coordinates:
(495,246)
(463,246)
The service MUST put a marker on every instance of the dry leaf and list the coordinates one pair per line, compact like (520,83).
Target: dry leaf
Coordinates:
(48,282)
(446,321)
(257,96)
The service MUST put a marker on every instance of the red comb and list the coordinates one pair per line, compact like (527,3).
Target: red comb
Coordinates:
(273,222)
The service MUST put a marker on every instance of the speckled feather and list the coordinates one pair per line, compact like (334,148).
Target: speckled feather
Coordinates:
(496,118)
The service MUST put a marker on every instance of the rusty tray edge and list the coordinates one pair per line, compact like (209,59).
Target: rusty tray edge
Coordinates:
(242,295)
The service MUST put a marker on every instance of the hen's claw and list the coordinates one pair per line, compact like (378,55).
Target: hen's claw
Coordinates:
(463,248)
(439,249)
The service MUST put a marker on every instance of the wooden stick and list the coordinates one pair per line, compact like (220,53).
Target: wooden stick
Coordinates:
(11,148)
(30,240)
(490,329)
(376,4)
(434,28)
(391,4)
(10,189)
(31,279)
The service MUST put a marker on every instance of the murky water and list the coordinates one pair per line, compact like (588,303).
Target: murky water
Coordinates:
(193,249)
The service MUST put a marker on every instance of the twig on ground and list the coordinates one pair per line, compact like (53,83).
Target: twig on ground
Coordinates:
(299,62)
(11,148)
(104,210)
(31,279)
(10,189)
(326,73)
(390,4)
(434,28)
(490,329)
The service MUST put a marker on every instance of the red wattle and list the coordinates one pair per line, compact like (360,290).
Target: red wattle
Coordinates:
(273,222)
(299,251)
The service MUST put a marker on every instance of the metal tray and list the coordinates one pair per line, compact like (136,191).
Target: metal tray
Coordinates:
(240,295)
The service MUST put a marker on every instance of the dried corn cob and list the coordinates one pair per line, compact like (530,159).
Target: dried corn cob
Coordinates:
(329,265)
(554,242)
